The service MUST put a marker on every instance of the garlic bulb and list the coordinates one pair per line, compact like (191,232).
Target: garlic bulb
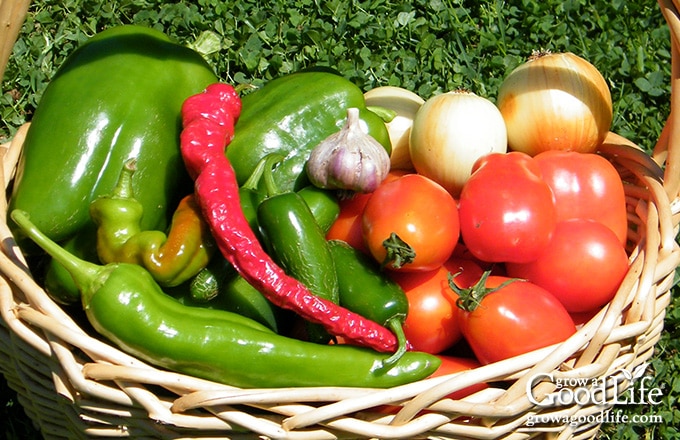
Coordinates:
(350,159)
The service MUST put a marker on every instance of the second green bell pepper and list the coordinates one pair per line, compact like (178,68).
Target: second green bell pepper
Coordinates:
(291,115)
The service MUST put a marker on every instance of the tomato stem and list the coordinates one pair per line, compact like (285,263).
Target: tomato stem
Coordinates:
(471,297)
(398,252)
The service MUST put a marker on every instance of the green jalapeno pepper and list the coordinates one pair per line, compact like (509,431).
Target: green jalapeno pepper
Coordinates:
(298,244)
(364,289)
(290,115)
(218,285)
(125,305)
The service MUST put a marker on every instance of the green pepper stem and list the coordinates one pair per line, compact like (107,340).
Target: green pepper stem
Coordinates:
(395,324)
(123,188)
(83,272)
(266,163)
(271,189)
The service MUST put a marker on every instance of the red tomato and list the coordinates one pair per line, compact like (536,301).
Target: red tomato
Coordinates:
(347,227)
(432,321)
(583,266)
(454,364)
(517,318)
(416,218)
(585,186)
(507,212)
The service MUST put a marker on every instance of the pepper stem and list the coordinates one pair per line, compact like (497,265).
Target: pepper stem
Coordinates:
(470,298)
(123,188)
(395,325)
(398,252)
(271,188)
(83,272)
(266,163)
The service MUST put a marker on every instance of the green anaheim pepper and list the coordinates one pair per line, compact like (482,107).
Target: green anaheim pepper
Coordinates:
(366,290)
(125,305)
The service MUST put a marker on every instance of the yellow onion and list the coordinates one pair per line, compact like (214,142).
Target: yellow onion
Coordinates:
(555,101)
(404,103)
(450,132)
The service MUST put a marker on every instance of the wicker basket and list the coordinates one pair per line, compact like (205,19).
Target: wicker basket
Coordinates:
(74,385)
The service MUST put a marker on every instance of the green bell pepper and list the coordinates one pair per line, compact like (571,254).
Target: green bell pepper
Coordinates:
(117,97)
(291,115)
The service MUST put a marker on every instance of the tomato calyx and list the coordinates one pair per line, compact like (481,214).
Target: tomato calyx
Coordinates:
(471,297)
(398,252)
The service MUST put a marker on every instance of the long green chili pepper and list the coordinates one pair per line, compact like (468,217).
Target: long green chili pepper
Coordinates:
(171,259)
(124,304)
(208,119)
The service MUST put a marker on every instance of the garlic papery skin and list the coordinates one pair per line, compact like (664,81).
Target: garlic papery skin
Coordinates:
(350,159)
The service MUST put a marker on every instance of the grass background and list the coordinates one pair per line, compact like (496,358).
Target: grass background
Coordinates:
(426,46)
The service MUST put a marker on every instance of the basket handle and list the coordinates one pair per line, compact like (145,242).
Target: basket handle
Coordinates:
(12,16)
(667,148)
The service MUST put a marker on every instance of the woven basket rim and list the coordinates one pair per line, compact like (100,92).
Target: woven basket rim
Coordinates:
(66,371)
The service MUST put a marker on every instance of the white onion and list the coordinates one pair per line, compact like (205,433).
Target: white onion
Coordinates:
(450,132)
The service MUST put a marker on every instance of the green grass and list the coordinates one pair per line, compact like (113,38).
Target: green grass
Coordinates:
(426,46)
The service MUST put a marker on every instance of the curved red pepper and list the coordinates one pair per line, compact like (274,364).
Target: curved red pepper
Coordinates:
(208,119)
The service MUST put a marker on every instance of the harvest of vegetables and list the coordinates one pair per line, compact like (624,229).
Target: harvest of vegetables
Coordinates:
(252,238)
(410,224)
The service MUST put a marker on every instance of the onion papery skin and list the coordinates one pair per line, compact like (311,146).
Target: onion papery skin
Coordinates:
(450,132)
(555,101)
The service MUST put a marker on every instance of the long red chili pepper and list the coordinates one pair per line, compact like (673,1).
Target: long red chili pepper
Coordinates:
(208,126)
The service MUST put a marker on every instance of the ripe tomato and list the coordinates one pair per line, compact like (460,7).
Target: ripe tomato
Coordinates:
(432,321)
(585,186)
(455,364)
(347,227)
(517,318)
(411,224)
(583,266)
(507,212)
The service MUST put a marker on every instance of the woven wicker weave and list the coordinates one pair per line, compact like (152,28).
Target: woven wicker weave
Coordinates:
(75,385)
